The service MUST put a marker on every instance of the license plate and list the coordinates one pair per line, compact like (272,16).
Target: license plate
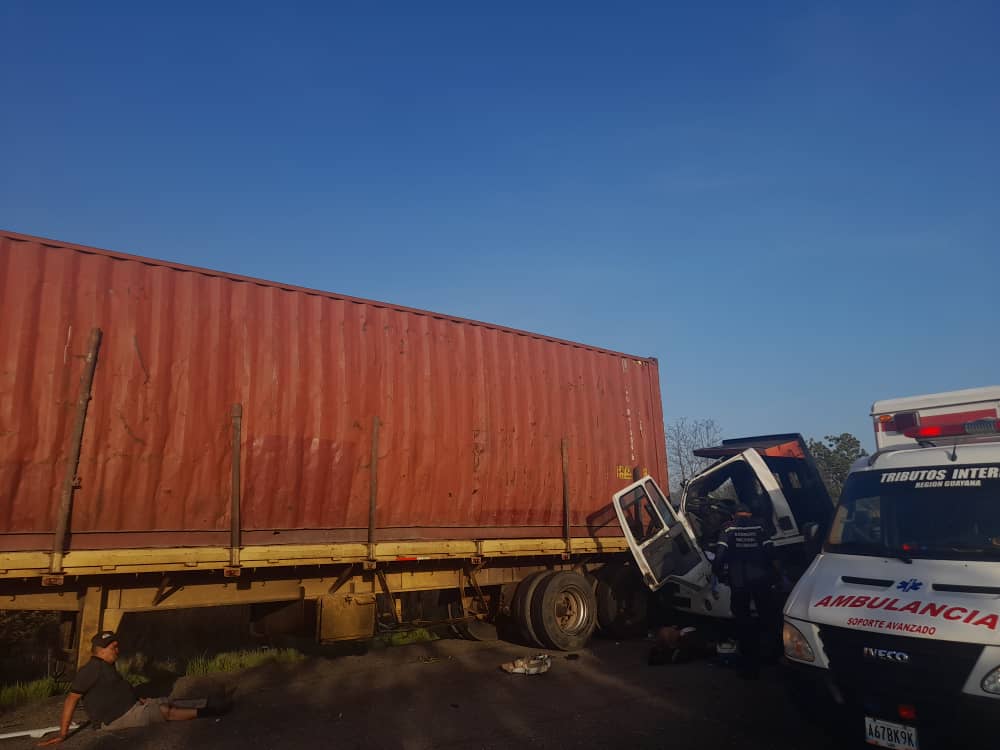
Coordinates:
(891,735)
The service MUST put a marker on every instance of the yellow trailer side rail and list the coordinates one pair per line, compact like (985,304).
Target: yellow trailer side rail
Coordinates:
(156,560)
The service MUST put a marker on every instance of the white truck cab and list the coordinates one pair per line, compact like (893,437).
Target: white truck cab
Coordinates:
(674,544)
(894,630)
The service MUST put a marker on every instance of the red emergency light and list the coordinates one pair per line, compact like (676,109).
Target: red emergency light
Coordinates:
(963,429)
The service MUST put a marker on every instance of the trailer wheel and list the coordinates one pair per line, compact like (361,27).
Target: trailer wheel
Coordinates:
(622,602)
(521,607)
(564,611)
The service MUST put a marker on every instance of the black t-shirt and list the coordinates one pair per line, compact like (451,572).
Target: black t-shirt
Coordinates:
(106,694)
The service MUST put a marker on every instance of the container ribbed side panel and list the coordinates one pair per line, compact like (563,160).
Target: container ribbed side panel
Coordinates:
(472,415)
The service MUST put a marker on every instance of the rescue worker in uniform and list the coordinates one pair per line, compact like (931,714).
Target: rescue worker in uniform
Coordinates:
(746,548)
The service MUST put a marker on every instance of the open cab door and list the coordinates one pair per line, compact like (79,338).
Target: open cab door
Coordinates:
(661,542)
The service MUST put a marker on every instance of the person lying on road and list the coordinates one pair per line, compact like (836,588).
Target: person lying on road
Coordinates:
(676,645)
(109,699)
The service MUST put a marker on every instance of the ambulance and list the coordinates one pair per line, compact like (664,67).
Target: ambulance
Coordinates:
(892,635)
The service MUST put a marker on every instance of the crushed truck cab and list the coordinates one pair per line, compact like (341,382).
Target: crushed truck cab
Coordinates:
(674,545)
(894,631)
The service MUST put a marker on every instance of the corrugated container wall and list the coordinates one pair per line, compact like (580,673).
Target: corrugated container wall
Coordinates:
(472,415)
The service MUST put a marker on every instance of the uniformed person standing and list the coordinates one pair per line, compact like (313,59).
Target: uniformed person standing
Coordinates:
(746,548)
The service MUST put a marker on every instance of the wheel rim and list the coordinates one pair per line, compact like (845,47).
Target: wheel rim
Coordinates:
(571,610)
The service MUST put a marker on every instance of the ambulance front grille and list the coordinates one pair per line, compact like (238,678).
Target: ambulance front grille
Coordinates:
(897,665)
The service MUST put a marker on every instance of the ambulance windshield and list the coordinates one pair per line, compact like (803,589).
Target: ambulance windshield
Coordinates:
(940,512)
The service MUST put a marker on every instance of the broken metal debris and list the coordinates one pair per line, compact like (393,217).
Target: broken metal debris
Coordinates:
(537,664)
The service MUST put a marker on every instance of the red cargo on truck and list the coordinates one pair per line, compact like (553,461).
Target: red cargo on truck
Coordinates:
(471,416)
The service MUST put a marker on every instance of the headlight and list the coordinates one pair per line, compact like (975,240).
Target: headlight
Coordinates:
(798,648)
(991,682)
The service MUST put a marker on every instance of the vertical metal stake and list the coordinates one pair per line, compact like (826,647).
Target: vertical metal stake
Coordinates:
(235,521)
(373,493)
(89,621)
(565,475)
(70,480)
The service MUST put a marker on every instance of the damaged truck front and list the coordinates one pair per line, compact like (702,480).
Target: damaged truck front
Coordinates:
(674,544)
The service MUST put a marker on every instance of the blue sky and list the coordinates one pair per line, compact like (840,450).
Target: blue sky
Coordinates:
(794,206)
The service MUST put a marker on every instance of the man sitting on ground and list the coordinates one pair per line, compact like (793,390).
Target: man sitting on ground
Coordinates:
(109,699)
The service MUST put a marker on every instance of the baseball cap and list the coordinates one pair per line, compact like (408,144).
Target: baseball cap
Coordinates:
(104,639)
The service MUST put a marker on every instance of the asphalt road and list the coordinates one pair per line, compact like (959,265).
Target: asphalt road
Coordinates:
(451,694)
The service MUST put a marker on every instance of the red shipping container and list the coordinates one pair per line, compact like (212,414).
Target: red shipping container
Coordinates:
(472,415)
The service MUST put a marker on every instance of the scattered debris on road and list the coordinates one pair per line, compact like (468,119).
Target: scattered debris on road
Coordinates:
(537,664)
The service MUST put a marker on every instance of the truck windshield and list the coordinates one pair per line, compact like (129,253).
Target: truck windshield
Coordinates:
(941,512)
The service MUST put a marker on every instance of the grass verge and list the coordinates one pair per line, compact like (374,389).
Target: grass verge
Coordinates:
(234,661)
(26,692)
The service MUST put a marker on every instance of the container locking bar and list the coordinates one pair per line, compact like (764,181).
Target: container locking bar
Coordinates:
(565,497)
(71,482)
(235,536)
(373,489)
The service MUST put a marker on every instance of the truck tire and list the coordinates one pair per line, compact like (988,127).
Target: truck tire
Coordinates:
(521,607)
(564,611)
(622,602)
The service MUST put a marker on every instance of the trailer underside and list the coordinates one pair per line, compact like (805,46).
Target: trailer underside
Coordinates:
(357,588)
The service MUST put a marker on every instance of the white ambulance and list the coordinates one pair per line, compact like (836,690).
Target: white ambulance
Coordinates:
(894,630)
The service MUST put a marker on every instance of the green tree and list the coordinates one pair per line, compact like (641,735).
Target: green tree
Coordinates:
(834,456)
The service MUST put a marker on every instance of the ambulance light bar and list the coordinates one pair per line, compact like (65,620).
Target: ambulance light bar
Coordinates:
(977,427)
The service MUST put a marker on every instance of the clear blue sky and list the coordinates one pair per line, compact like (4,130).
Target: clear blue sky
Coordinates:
(794,206)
